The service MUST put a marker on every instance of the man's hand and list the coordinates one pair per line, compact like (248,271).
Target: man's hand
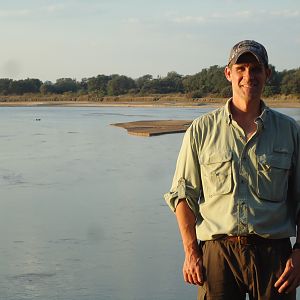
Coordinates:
(290,278)
(193,267)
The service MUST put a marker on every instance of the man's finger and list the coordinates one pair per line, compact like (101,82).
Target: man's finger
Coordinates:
(284,288)
(200,278)
(292,286)
(199,270)
(185,276)
(288,284)
(199,275)
(284,276)
(191,279)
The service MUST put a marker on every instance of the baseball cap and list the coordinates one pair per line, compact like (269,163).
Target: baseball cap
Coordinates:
(255,48)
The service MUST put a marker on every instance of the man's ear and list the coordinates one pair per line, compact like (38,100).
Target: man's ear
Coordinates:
(268,73)
(227,73)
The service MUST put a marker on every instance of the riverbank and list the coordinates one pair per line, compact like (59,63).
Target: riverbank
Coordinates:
(132,101)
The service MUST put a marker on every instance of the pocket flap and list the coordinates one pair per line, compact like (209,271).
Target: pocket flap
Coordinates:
(276,160)
(214,158)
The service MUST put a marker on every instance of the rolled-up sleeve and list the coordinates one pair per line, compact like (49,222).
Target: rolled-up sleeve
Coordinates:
(187,179)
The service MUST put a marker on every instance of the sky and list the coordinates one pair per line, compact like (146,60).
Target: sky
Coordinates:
(49,39)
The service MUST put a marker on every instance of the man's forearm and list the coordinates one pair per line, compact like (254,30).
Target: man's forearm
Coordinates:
(186,223)
(193,266)
(290,278)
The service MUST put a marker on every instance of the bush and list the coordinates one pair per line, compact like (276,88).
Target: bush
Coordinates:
(197,94)
(226,92)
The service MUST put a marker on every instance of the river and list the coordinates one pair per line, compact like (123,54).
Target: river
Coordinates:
(82,214)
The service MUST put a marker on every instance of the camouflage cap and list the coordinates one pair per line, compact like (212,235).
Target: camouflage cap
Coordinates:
(255,48)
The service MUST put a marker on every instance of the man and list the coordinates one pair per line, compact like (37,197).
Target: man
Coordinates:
(236,188)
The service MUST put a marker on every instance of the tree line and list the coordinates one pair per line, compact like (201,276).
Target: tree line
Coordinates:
(209,81)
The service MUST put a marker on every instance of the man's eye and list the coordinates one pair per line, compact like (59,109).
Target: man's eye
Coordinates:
(257,69)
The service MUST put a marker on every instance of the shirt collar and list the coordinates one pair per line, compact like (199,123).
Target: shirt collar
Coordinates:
(228,114)
(261,119)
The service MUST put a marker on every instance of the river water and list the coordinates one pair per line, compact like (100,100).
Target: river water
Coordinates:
(82,214)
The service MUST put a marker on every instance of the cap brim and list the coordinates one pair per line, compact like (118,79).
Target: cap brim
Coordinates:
(235,59)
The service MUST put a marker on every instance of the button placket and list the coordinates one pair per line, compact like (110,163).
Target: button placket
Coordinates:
(243,190)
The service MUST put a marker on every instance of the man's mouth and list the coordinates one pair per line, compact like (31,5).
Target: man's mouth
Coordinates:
(248,86)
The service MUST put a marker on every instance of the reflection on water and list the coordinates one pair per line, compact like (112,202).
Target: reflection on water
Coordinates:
(82,214)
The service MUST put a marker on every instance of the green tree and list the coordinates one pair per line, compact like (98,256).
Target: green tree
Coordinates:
(142,81)
(272,86)
(63,85)
(290,83)
(23,86)
(208,81)
(98,84)
(47,88)
(120,85)
(5,84)
(172,83)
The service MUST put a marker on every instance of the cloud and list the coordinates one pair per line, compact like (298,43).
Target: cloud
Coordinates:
(28,12)
(53,8)
(15,13)
(189,19)
(214,16)
(287,13)
(132,20)
(244,14)
(234,16)
(174,17)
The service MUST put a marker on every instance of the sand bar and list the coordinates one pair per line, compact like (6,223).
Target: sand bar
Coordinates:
(155,127)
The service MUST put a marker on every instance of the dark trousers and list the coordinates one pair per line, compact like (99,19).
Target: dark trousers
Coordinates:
(232,269)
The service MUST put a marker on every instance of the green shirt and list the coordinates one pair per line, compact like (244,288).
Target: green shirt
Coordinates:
(235,186)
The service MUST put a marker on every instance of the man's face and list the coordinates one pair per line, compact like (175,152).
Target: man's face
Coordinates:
(247,77)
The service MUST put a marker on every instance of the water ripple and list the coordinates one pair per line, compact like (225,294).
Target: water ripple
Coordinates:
(33,276)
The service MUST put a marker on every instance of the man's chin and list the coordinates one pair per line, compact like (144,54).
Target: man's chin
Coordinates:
(252,94)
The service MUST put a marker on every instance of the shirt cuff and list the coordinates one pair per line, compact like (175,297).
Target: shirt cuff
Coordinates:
(182,192)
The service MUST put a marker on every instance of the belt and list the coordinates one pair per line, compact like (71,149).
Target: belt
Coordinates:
(252,239)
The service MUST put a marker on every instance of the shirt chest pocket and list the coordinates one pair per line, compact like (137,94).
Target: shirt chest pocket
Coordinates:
(272,176)
(216,173)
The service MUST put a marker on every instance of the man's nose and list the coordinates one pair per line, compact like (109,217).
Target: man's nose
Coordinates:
(249,74)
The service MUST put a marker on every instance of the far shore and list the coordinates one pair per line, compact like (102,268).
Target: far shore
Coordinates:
(274,104)
(133,101)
